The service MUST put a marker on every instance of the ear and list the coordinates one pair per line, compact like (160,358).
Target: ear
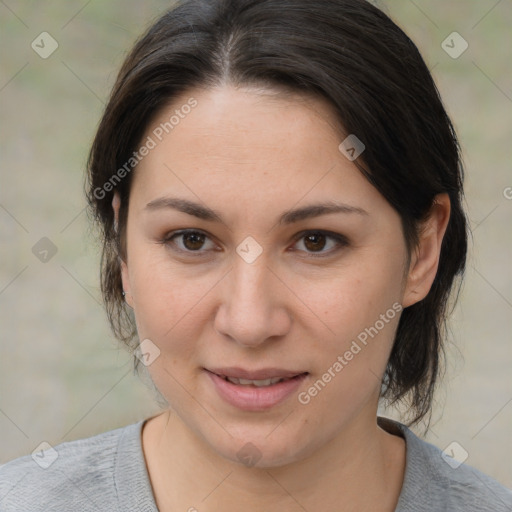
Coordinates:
(116,204)
(425,260)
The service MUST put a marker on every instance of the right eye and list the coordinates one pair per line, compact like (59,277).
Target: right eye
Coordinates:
(188,241)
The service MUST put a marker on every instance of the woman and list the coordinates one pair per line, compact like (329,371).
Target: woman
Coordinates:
(279,190)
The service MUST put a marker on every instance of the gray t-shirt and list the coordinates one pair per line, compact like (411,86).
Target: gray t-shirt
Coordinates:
(107,472)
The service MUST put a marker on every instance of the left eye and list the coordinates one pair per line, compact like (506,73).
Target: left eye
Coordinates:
(320,242)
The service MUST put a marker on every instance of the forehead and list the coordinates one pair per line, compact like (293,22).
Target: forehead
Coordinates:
(233,122)
(260,145)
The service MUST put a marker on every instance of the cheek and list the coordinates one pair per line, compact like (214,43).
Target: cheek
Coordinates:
(361,307)
(169,308)
(354,297)
(168,301)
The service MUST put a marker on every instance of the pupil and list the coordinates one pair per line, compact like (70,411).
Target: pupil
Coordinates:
(193,241)
(315,242)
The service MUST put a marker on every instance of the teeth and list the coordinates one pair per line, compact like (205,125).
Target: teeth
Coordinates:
(257,383)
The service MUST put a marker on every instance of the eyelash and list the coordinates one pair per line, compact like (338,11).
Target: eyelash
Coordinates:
(339,239)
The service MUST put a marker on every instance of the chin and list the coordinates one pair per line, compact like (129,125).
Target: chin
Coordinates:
(254,448)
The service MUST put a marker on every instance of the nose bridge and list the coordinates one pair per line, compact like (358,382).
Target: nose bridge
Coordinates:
(252,309)
(250,284)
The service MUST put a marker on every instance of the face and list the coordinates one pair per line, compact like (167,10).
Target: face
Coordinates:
(256,249)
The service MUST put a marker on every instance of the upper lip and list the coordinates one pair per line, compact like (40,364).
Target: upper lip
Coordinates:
(263,373)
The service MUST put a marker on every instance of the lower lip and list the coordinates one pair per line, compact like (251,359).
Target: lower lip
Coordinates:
(252,398)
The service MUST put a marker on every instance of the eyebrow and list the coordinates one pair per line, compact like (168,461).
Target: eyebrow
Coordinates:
(288,217)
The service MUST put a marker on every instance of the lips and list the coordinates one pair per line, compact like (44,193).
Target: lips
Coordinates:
(264,389)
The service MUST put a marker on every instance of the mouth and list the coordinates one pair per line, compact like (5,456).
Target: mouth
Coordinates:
(258,383)
(259,378)
(257,390)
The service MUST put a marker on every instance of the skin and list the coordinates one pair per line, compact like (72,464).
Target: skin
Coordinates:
(251,155)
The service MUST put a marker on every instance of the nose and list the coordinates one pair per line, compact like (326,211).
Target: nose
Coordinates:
(253,306)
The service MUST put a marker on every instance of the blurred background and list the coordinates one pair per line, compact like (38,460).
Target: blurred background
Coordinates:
(62,374)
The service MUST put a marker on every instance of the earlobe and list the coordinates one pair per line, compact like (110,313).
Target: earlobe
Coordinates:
(425,260)
(126,284)
(116,204)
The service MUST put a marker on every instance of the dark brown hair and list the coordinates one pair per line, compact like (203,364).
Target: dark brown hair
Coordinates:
(346,51)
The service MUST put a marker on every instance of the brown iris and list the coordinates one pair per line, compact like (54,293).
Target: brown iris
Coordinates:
(193,241)
(315,242)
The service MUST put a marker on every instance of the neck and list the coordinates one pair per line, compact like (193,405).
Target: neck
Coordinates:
(362,468)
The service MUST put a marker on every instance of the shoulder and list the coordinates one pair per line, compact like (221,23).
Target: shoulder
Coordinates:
(434,481)
(77,475)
